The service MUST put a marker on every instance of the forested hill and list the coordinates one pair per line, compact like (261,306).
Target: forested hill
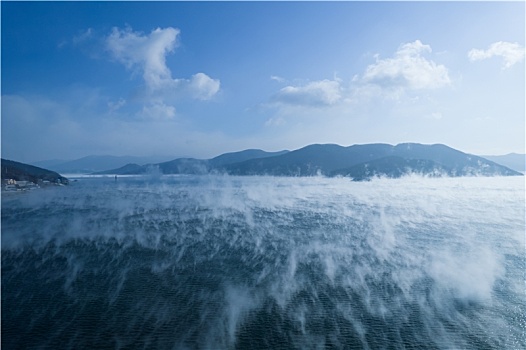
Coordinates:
(25,172)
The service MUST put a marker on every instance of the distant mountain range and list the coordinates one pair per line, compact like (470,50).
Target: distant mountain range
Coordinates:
(90,164)
(359,162)
(513,161)
(192,165)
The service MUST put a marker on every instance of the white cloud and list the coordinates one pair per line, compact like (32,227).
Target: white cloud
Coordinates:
(316,93)
(434,115)
(407,69)
(146,55)
(202,86)
(392,84)
(115,106)
(87,34)
(277,78)
(511,53)
(158,111)
(275,121)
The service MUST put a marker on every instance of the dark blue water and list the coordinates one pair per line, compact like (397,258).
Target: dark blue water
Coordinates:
(265,263)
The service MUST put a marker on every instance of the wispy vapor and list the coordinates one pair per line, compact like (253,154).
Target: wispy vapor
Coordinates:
(511,53)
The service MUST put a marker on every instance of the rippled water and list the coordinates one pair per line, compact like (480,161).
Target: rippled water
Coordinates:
(217,262)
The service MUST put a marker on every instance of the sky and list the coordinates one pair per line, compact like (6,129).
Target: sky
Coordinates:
(197,79)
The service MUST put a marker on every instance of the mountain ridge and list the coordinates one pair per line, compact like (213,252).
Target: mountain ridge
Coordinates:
(362,160)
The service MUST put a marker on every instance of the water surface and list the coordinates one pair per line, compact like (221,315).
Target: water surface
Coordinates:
(218,262)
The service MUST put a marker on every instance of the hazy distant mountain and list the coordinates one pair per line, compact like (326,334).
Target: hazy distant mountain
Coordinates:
(513,161)
(185,166)
(48,164)
(196,166)
(203,166)
(90,164)
(358,161)
(25,172)
(132,169)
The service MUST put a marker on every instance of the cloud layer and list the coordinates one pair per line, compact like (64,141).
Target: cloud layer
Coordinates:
(511,53)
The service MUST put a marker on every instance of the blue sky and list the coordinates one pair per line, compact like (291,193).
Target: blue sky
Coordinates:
(203,78)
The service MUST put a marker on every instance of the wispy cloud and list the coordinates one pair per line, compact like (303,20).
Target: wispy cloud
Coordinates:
(85,35)
(407,72)
(511,53)
(395,88)
(407,69)
(158,111)
(277,78)
(84,38)
(316,93)
(115,106)
(275,121)
(201,86)
(434,115)
(146,54)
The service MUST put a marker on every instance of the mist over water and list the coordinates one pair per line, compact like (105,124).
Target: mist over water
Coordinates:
(218,262)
